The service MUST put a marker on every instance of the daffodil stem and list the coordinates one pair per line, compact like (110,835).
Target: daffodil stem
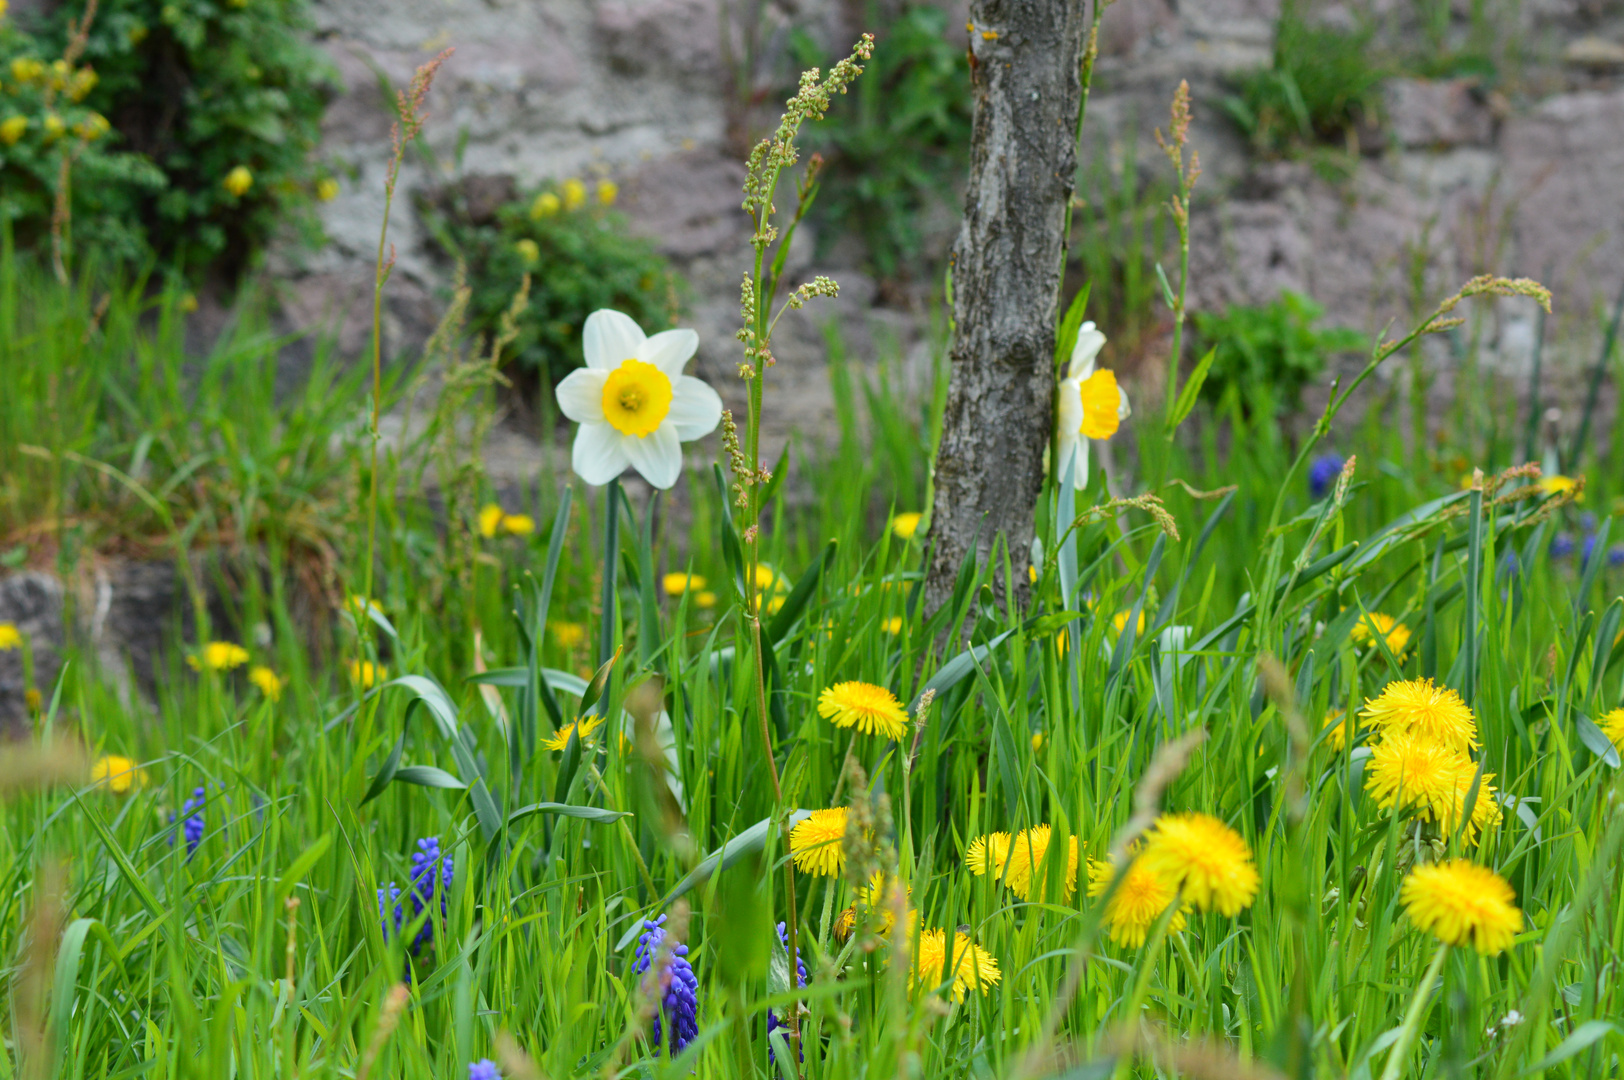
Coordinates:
(1412,1016)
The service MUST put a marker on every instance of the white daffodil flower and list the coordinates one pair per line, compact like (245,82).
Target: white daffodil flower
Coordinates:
(1092,405)
(635,406)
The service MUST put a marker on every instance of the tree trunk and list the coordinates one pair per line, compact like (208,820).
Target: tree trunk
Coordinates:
(1024,70)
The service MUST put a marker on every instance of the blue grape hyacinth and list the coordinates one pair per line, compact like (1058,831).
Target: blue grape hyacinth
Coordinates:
(1615,556)
(676,984)
(1562,546)
(1322,473)
(484,1069)
(191,813)
(431,876)
(773,1022)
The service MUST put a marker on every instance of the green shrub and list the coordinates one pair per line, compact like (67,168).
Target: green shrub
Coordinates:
(214,108)
(1324,82)
(897,142)
(1268,353)
(579,256)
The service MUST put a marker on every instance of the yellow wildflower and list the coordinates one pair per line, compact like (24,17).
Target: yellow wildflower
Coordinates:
(974,968)
(26,69)
(490,519)
(1120,621)
(269,682)
(219,656)
(892,626)
(567,635)
(608,191)
(327,189)
(12,128)
(871,709)
(583,729)
(1138,902)
(367,674)
(678,583)
(119,774)
(546,205)
(238,181)
(574,194)
(1612,726)
(905,525)
(1556,485)
(10,637)
(1461,903)
(1205,859)
(1338,738)
(53,126)
(705,599)
(1417,707)
(1395,633)
(528,250)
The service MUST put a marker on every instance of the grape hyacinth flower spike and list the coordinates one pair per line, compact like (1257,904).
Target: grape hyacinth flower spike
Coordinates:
(773,1022)
(674,984)
(484,1069)
(191,812)
(1562,546)
(1322,473)
(431,874)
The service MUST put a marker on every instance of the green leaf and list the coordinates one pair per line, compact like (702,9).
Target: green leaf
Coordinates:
(795,603)
(1192,389)
(595,814)
(301,866)
(1584,1036)
(429,776)
(1065,338)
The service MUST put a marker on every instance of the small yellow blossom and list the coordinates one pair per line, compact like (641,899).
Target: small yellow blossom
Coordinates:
(1557,485)
(567,635)
(238,181)
(1395,633)
(32,699)
(1436,714)
(219,656)
(10,637)
(1037,742)
(546,205)
(1120,621)
(974,968)
(119,774)
(53,126)
(1612,725)
(582,729)
(764,577)
(574,194)
(1461,903)
(528,250)
(490,519)
(12,128)
(367,674)
(705,599)
(871,709)
(608,191)
(269,682)
(92,127)
(676,584)
(1338,738)
(518,524)
(327,189)
(817,843)
(892,626)
(905,525)
(83,82)
(187,303)
(26,69)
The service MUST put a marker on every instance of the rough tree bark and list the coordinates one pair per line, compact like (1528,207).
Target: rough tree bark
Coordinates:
(1024,67)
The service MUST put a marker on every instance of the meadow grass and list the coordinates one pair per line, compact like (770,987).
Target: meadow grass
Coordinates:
(130,956)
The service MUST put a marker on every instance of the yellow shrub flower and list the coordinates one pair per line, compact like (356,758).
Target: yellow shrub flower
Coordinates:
(327,189)
(367,674)
(905,525)
(574,194)
(1205,859)
(118,774)
(12,128)
(974,968)
(817,843)
(269,682)
(92,127)
(608,191)
(871,709)
(53,126)
(583,729)
(1461,903)
(26,69)
(1612,725)
(1138,902)
(238,181)
(10,637)
(546,205)
(219,656)
(83,82)
(1435,714)
(676,584)
(1395,633)
(528,250)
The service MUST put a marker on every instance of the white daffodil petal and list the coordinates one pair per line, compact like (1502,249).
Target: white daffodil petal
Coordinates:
(580,396)
(1071,407)
(1124,410)
(598,456)
(1089,343)
(669,350)
(695,408)
(1080,469)
(609,338)
(657,455)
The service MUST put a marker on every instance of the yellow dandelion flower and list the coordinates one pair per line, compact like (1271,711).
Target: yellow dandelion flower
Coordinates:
(12,128)
(677,584)
(845,922)
(876,901)
(490,519)
(1028,865)
(1207,860)
(1612,726)
(1485,810)
(10,637)
(1424,774)
(608,191)
(873,710)
(987,854)
(764,577)
(574,194)
(567,635)
(1120,621)
(1417,707)
(905,525)
(705,599)
(118,774)
(1138,902)
(1338,737)
(518,524)
(32,699)
(1395,633)
(974,968)
(269,682)
(1037,742)
(327,189)
(528,251)
(817,843)
(546,205)
(367,674)
(892,626)
(582,729)
(1557,485)
(238,181)
(219,656)
(1461,903)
